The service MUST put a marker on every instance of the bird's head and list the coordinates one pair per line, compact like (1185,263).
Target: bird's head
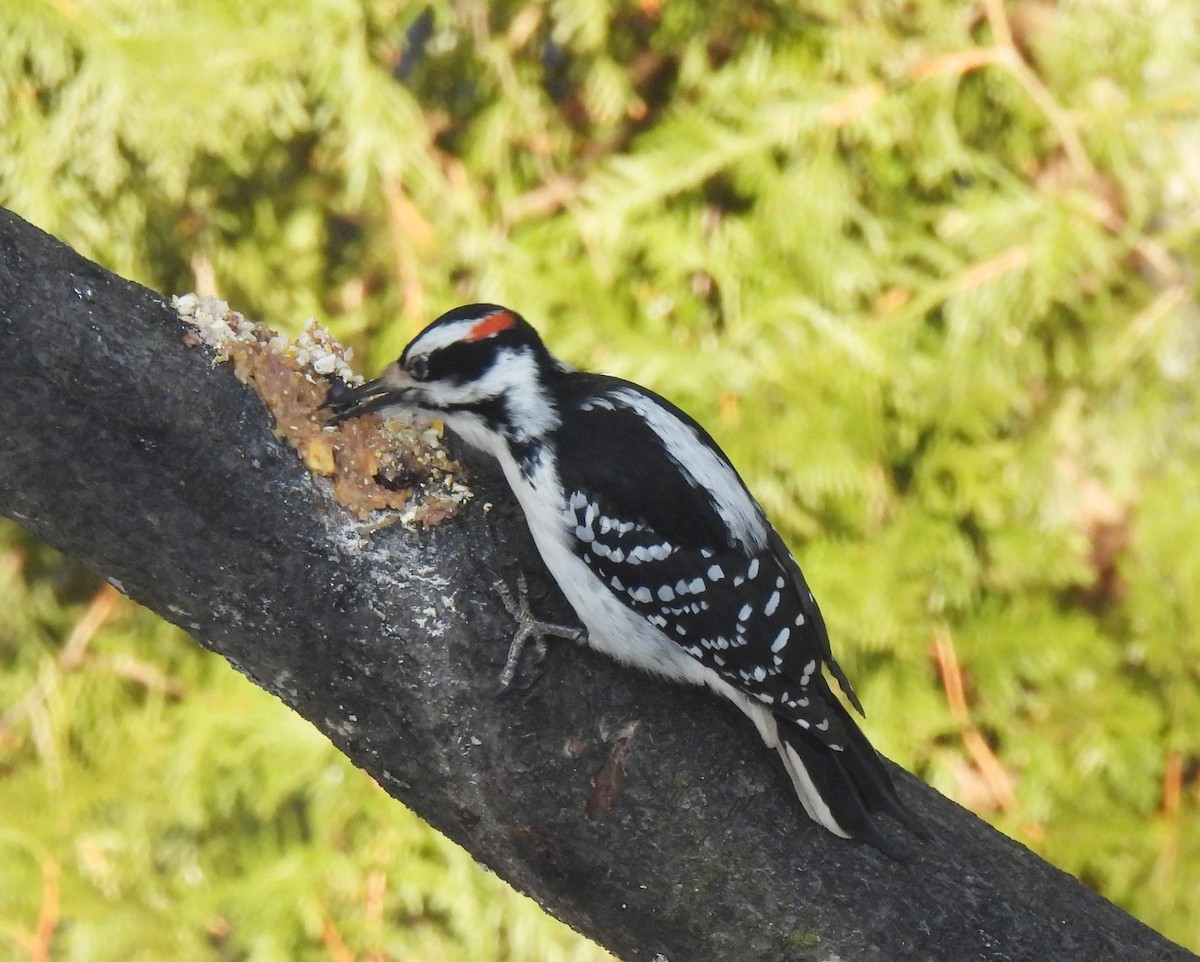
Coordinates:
(481,368)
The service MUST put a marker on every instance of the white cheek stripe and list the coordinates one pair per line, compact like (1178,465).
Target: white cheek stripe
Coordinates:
(705,468)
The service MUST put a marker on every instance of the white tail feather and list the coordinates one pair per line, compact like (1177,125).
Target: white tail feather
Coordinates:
(810,798)
(768,727)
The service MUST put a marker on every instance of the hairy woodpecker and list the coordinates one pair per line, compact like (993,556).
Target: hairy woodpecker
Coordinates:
(664,554)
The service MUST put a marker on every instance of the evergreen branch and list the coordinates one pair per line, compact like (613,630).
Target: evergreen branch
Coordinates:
(70,657)
(968,279)
(130,451)
(1141,327)
(1009,56)
(1006,54)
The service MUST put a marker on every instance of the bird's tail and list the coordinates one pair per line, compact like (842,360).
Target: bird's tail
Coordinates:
(844,788)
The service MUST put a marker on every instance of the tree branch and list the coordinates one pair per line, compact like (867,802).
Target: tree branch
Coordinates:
(645,815)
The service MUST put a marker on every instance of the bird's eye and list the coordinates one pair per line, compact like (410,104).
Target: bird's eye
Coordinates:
(418,366)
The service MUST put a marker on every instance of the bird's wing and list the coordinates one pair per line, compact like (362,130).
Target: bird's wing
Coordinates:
(708,571)
(740,616)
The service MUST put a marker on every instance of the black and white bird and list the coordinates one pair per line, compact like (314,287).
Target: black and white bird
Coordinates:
(666,557)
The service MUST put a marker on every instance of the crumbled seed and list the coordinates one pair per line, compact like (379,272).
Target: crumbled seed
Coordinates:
(375,463)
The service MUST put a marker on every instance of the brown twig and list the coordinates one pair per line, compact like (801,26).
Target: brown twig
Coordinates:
(1172,794)
(143,673)
(1009,56)
(992,269)
(955,62)
(99,610)
(74,649)
(339,951)
(373,904)
(409,231)
(43,933)
(1172,784)
(858,101)
(204,274)
(998,780)
(547,198)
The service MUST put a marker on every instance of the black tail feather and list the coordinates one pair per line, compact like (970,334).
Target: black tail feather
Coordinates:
(865,767)
(852,783)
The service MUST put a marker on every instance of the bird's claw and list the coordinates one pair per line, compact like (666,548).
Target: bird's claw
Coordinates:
(529,629)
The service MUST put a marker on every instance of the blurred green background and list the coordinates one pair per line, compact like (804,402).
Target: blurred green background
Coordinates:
(926,270)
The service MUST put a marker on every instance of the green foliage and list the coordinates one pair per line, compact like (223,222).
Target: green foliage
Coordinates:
(924,270)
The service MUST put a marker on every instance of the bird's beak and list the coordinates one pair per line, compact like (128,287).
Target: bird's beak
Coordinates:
(390,388)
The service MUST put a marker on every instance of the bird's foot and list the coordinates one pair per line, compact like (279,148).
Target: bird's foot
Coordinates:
(529,629)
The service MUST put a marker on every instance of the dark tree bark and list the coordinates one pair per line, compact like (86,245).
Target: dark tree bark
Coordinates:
(133,453)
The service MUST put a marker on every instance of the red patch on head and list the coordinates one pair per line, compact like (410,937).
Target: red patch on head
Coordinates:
(491,325)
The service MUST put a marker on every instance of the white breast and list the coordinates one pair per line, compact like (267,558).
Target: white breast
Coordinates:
(612,627)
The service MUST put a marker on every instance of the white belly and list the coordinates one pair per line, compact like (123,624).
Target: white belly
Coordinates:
(612,627)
